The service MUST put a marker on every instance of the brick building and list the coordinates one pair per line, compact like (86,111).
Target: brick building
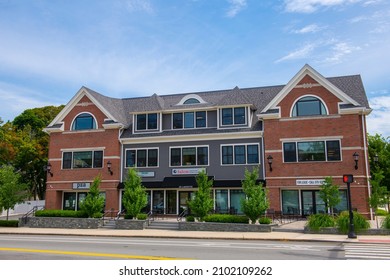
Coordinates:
(296,134)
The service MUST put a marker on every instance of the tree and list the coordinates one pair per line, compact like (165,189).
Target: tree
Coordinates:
(256,201)
(379,194)
(93,204)
(203,202)
(330,194)
(134,197)
(12,191)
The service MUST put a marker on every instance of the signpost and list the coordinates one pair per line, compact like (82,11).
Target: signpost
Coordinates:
(348,179)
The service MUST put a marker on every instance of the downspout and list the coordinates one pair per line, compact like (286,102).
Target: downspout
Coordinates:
(367,163)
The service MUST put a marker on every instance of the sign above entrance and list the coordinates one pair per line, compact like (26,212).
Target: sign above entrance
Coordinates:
(187,171)
(310,182)
(81,186)
(146,174)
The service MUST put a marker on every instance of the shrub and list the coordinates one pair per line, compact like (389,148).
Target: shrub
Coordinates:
(381,212)
(386,222)
(317,221)
(140,216)
(265,220)
(61,213)
(359,222)
(9,223)
(226,218)
(190,219)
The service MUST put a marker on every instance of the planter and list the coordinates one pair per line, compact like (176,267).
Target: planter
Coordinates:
(60,222)
(130,224)
(197,226)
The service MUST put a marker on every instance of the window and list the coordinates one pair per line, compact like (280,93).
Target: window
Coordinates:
(142,157)
(146,121)
(240,154)
(191,101)
(312,151)
(84,121)
(233,116)
(72,200)
(188,156)
(308,106)
(189,120)
(84,159)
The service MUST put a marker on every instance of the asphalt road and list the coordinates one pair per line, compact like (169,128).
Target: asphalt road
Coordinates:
(49,247)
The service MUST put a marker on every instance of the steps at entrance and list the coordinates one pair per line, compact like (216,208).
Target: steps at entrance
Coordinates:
(109,224)
(163,225)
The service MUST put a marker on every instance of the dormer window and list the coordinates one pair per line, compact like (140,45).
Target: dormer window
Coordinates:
(84,121)
(146,121)
(233,116)
(309,106)
(191,101)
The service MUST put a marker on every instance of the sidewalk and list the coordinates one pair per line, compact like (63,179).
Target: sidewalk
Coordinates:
(288,232)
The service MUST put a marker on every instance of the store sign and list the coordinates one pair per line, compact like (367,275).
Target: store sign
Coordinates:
(310,182)
(146,174)
(187,171)
(81,186)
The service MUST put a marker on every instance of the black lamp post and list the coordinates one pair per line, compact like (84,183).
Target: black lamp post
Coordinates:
(356,158)
(270,159)
(348,179)
(109,167)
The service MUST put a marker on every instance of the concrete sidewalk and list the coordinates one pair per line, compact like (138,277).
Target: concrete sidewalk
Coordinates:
(286,232)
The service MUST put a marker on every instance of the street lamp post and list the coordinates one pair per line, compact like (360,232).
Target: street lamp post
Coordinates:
(348,179)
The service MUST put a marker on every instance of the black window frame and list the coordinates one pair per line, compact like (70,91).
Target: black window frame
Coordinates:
(229,154)
(146,122)
(199,120)
(142,157)
(233,117)
(68,161)
(299,107)
(177,159)
(76,126)
(331,154)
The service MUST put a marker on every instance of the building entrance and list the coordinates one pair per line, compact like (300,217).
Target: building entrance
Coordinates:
(312,202)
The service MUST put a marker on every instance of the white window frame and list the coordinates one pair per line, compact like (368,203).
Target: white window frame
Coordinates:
(233,124)
(135,119)
(147,152)
(246,153)
(74,119)
(81,150)
(181,155)
(183,116)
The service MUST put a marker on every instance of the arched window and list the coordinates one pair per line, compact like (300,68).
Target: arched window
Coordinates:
(191,101)
(84,121)
(308,106)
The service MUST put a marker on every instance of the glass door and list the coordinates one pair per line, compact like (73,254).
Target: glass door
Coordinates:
(184,197)
(171,202)
(307,203)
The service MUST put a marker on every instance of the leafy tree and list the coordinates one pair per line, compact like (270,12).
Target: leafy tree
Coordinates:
(330,194)
(256,201)
(379,194)
(203,202)
(12,191)
(93,204)
(134,197)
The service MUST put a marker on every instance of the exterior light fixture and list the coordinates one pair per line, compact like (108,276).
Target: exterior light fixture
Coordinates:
(270,159)
(376,158)
(356,158)
(109,167)
(48,169)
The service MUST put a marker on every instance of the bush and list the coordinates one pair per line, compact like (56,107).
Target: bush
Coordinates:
(381,212)
(190,219)
(359,222)
(317,221)
(61,213)
(226,218)
(9,223)
(265,220)
(386,222)
(140,216)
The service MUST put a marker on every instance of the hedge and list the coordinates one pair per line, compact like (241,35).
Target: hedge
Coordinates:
(226,218)
(61,213)
(9,223)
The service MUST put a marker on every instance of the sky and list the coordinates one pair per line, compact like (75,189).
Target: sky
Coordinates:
(129,48)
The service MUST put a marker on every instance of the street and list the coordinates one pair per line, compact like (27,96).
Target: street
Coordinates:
(50,247)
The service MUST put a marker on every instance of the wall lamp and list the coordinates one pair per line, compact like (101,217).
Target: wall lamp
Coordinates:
(356,158)
(109,167)
(376,158)
(270,159)
(48,169)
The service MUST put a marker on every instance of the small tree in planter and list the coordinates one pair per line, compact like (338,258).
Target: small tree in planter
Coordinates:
(256,202)
(134,197)
(202,203)
(330,194)
(93,204)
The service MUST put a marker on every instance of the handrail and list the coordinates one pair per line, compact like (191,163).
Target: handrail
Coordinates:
(31,213)
(182,215)
(119,214)
(151,216)
(110,213)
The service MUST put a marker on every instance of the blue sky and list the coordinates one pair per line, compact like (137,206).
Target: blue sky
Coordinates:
(128,48)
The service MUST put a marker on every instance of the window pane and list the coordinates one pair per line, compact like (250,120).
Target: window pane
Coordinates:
(84,121)
(98,159)
(203,156)
(189,120)
(175,157)
(191,101)
(290,202)
(289,151)
(69,201)
(239,115)
(201,119)
(141,158)
(253,154)
(311,151)
(189,156)
(221,201)
(333,150)
(130,158)
(239,154)
(80,198)
(67,160)
(227,154)
(141,122)
(235,200)
(82,159)
(152,157)
(227,116)
(152,121)
(177,120)
(309,106)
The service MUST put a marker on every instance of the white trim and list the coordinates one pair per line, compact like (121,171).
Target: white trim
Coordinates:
(147,152)
(83,149)
(352,148)
(183,120)
(273,151)
(83,131)
(146,130)
(181,155)
(88,113)
(308,95)
(305,139)
(191,96)
(317,117)
(246,154)
(367,163)
(233,125)
(112,157)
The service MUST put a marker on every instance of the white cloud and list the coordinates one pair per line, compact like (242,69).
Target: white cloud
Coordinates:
(301,53)
(339,50)
(378,120)
(310,6)
(235,7)
(139,6)
(312,28)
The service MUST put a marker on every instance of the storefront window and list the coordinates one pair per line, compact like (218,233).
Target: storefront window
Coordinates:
(221,201)
(69,201)
(235,200)
(290,201)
